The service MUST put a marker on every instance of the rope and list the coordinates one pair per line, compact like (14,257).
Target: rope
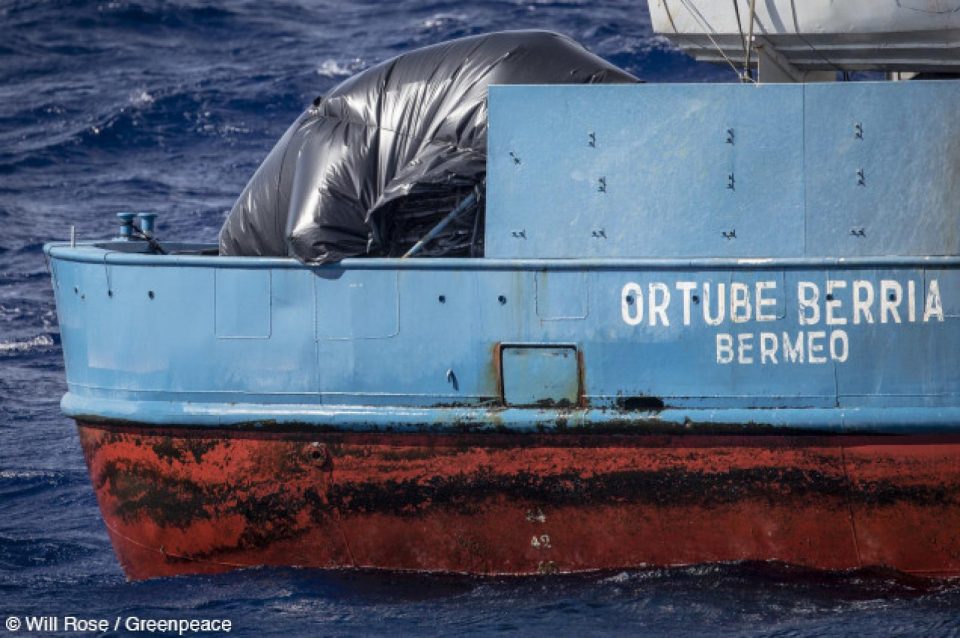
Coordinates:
(153,243)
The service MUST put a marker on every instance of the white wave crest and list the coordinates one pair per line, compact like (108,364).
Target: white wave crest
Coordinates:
(441,20)
(141,98)
(28,474)
(331,68)
(42,341)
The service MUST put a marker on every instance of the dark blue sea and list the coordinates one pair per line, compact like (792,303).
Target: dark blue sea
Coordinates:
(169,107)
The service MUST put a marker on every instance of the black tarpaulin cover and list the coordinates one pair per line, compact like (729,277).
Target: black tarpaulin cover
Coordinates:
(373,165)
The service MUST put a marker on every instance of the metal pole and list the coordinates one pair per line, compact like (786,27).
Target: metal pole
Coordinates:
(746,62)
(467,202)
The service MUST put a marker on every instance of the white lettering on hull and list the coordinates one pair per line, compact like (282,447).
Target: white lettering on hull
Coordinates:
(833,304)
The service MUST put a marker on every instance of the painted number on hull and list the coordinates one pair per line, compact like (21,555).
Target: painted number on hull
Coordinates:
(540,542)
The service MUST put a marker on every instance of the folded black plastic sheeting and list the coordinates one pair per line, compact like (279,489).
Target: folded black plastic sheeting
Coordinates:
(372,166)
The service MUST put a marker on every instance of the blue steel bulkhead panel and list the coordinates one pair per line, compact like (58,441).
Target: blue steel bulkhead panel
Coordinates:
(903,331)
(645,171)
(883,168)
(353,305)
(836,169)
(949,280)
(118,337)
(242,300)
(562,296)
(137,328)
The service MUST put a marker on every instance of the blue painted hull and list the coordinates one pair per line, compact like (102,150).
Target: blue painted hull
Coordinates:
(369,344)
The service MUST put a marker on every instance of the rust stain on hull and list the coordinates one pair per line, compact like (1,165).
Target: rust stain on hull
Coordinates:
(190,500)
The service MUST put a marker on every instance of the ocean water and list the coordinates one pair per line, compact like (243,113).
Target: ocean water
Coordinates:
(168,107)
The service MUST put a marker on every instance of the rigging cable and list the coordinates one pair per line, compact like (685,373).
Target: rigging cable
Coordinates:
(707,29)
(736,11)
(796,26)
(747,73)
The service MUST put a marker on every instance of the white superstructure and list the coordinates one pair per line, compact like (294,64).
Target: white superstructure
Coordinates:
(796,37)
